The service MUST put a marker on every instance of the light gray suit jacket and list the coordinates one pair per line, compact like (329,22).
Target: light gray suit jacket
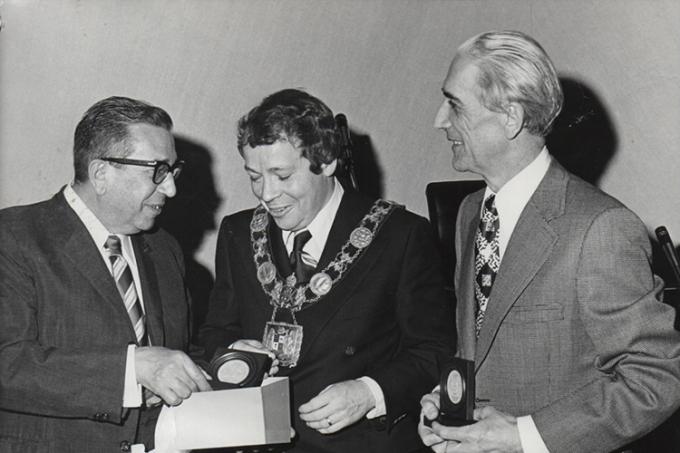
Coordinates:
(574,333)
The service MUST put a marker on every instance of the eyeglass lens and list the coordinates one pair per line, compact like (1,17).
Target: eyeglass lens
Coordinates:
(162,170)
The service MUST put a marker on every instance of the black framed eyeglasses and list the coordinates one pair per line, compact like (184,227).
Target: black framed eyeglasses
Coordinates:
(160,168)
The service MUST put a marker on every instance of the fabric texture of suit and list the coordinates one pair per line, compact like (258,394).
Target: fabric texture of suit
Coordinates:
(388,319)
(64,332)
(574,333)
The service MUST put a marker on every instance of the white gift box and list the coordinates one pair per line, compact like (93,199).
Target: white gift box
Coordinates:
(227,418)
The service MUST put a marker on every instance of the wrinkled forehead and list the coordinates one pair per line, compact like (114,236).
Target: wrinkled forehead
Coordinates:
(151,142)
(462,76)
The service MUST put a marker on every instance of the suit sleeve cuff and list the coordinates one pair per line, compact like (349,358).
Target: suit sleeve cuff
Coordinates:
(132,391)
(379,409)
(530,438)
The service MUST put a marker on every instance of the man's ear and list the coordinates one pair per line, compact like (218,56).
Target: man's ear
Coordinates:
(97,171)
(329,169)
(514,119)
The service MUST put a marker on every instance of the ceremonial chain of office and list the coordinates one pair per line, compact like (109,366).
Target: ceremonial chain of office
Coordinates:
(287,293)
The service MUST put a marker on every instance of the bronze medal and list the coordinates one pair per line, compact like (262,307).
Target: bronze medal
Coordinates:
(361,237)
(266,272)
(320,283)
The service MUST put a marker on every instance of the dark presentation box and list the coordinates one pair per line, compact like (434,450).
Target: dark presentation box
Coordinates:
(457,393)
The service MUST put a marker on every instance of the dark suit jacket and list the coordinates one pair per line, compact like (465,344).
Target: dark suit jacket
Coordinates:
(574,333)
(387,319)
(64,331)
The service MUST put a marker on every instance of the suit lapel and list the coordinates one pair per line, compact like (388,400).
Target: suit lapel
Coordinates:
(529,247)
(150,291)
(80,249)
(352,209)
(466,292)
(349,215)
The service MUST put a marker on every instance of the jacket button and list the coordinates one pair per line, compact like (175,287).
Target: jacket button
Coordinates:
(350,350)
(125,446)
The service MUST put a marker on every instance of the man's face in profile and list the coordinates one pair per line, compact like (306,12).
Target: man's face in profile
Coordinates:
(281,180)
(132,200)
(477,133)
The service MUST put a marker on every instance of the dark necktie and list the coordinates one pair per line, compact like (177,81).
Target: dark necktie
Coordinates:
(303,271)
(487,258)
(126,287)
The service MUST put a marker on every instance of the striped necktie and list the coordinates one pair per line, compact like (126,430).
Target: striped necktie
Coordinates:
(487,258)
(126,287)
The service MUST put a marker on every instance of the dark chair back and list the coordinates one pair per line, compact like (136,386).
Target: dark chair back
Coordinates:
(443,201)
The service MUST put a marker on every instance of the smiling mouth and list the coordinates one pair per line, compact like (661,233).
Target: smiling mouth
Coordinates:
(277,211)
(457,142)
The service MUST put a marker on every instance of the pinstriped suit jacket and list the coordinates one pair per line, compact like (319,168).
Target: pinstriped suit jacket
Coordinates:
(574,332)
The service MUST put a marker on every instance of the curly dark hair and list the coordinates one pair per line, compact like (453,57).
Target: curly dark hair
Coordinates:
(297,117)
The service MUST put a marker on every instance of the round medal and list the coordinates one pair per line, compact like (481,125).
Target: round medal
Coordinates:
(266,272)
(320,283)
(361,237)
(455,387)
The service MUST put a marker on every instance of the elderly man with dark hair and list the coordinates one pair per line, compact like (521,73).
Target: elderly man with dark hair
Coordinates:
(557,303)
(343,290)
(93,308)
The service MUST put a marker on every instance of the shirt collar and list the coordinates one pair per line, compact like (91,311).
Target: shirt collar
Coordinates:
(320,226)
(97,230)
(513,197)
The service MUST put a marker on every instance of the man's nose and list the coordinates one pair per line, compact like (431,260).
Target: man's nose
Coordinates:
(269,190)
(167,186)
(441,120)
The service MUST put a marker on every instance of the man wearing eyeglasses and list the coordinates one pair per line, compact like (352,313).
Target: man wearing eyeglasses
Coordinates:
(93,308)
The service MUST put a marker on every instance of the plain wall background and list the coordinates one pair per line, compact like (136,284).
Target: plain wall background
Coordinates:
(381,62)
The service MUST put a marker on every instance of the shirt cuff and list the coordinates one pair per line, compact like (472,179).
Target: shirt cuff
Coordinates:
(132,391)
(529,437)
(379,409)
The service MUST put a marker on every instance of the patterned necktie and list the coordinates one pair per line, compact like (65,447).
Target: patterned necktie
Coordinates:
(303,270)
(487,258)
(126,287)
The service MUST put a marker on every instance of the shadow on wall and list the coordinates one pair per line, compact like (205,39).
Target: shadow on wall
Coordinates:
(583,139)
(190,215)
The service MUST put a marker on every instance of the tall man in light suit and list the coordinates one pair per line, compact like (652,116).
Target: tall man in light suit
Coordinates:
(93,307)
(357,316)
(557,304)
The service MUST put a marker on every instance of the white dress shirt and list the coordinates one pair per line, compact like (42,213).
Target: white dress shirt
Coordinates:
(511,200)
(132,391)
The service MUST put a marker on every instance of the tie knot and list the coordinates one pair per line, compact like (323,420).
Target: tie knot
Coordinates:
(112,244)
(300,240)
(490,203)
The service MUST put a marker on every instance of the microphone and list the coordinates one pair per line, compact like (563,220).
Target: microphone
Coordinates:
(346,143)
(341,121)
(669,250)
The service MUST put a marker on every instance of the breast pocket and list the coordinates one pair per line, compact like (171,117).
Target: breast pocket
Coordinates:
(535,314)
